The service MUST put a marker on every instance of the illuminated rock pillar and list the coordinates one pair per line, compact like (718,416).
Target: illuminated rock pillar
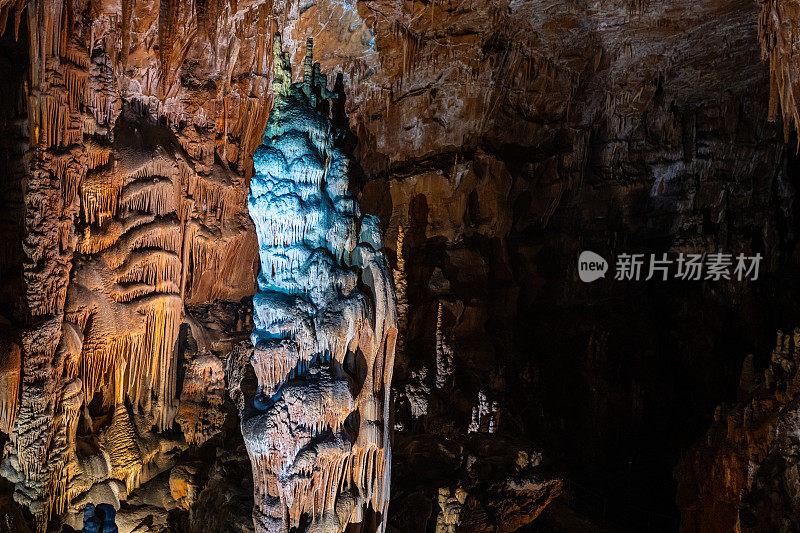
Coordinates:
(325,325)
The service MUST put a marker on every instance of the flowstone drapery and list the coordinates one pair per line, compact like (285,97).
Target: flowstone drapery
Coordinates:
(325,324)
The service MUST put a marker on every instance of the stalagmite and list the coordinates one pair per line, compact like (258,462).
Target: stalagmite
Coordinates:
(200,414)
(444,354)
(400,286)
(484,415)
(120,438)
(318,435)
(451,504)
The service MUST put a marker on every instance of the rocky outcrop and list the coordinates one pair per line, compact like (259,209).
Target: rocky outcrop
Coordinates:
(741,476)
(495,141)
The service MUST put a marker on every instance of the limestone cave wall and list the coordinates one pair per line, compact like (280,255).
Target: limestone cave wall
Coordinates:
(494,140)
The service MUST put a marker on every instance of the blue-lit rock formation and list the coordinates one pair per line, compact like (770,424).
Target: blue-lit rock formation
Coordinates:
(325,324)
(98,519)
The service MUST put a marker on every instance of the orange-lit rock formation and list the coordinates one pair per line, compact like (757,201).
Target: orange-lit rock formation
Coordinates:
(128,217)
(742,475)
(496,139)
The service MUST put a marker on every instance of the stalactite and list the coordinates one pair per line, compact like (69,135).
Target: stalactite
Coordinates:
(97,154)
(69,168)
(163,323)
(77,55)
(230,62)
(102,98)
(777,31)
(127,12)
(156,196)
(252,128)
(157,166)
(205,253)
(151,267)
(151,234)
(75,80)
(54,111)
(167,34)
(412,45)
(96,361)
(213,197)
(99,196)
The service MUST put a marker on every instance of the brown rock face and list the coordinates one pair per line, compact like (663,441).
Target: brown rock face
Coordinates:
(740,477)
(495,140)
(127,217)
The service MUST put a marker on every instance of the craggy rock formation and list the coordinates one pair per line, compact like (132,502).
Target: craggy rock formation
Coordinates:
(125,221)
(743,475)
(323,346)
(777,26)
(495,140)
